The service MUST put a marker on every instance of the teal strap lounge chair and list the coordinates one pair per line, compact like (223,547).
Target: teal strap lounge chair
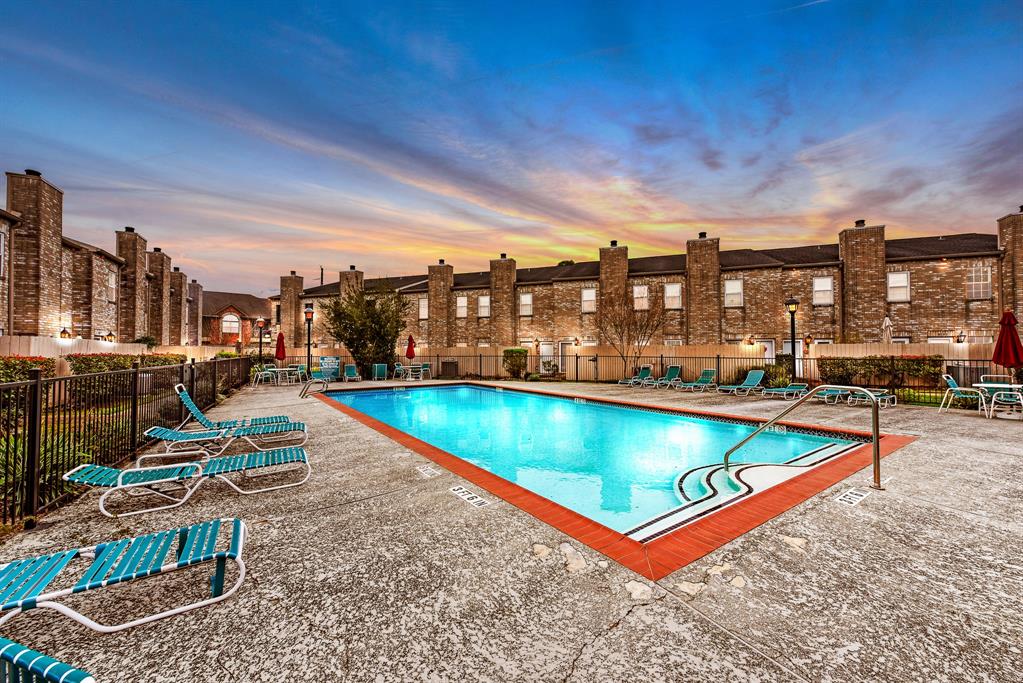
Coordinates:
(670,375)
(955,391)
(213,442)
(351,373)
(791,392)
(207,423)
(749,385)
(885,398)
(20,664)
(637,379)
(177,483)
(832,396)
(703,382)
(25,584)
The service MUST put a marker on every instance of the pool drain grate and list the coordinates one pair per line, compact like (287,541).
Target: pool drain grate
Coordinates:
(851,497)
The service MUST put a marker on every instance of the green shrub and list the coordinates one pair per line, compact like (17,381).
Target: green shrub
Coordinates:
(882,370)
(149,341)
(15,368)
(514,361)
(86,363)
(226,354)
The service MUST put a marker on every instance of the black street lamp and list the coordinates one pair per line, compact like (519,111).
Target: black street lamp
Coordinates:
(792,305)
(260,324)
(308,337)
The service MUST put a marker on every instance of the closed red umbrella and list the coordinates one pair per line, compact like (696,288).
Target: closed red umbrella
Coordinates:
(280,353)
(1008,349)
(410,350)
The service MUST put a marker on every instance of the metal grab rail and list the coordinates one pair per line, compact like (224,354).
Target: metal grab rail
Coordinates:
(875,425)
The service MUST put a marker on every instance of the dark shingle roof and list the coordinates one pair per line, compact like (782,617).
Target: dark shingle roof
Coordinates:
(942,245)
(248,305)
(95,250)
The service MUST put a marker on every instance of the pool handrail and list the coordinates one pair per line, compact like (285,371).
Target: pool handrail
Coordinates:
(874,420)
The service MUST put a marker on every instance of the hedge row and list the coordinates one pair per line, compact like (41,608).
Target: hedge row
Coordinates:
(15,368)
(86,363)
(881,370)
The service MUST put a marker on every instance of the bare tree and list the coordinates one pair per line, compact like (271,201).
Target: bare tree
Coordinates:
(628,325)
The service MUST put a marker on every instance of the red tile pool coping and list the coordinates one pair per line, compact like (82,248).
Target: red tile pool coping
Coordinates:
(666,554)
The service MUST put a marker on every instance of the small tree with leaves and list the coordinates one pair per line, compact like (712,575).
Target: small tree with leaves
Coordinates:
(625,328)
(367,323)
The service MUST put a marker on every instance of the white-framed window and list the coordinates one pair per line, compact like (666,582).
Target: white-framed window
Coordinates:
(112,285)
(230,324)
(461,345)
(640,297)
(673,295)
(674,342)
(461,306)
(589,342)
(980,339)
(483,306)
(733,293)
(939,340)
(824,291)
(482,343)
(588,299)
(900,340)
(978,282)
(424,308)
(823,341)
(526,303)
(898,286)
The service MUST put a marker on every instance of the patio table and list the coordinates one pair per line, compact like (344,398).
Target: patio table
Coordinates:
(282,373)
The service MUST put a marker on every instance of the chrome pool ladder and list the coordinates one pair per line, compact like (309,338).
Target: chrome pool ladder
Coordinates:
(874,420)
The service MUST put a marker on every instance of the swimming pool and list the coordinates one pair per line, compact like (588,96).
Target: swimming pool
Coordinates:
(640,472)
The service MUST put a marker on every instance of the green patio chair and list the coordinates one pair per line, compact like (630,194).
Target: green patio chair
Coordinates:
(749,385)
(637,379)
(379,371)
(703,382)
(669,376)
(955,391)
(19,663)
(24,583)
(177,483)
(351,373)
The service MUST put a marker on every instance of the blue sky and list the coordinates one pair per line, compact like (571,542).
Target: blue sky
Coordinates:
(249,139)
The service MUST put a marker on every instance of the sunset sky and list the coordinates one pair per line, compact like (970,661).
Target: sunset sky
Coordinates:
(253,139)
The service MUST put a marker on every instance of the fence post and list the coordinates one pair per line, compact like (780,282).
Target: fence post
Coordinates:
(181,405)
(34,427)
(717,369)
(134,406)
(216,386)
(596,368)
(576,378)
(191,379)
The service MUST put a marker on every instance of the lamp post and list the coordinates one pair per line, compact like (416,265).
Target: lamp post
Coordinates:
(260,324)
(308,337)
(792,305)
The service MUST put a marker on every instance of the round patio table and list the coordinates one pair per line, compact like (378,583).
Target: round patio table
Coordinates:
(282,373)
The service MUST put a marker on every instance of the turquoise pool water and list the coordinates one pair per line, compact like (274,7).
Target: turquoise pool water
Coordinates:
(613,464)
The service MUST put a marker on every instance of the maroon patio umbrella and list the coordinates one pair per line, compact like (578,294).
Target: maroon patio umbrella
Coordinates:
(280,353)
(410,350)
(1008,349)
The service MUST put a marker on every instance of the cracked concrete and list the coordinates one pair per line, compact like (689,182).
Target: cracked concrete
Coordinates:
(373,571)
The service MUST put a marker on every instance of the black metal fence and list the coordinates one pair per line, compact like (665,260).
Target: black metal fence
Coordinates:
(49,426)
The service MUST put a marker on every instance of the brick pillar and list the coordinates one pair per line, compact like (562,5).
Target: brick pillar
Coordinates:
(178,307)
(614,275)
(36,250)
(703,290)
(349,280)
(159,295)
(79,292)
(502,302)
(864,282)
(195,313)
(292,320)
(441,280)
(133,304)
(1010,238)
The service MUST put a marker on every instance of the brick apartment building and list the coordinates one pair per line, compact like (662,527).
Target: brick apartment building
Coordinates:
(52,285)
(939,289)
(229,318)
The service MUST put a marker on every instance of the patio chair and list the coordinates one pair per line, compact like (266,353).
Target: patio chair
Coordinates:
(399,371)
(791,392)
(263,376)
(24,583)
(955,391)
(1005,400)
(19,663)
(213,442)
(639,377)
(997,379)
(831,396)
(669,376)
(885,399)
(351,373)
(424,370)
(703,382)
(207,423)
(379,371)
(749,385)
(177,483)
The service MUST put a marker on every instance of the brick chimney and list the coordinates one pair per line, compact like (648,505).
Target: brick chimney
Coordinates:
(441,280)
(350,279)
(864,288)
(502,301)
(36,251)
(159,265)
(614,269)
(1010,239)
(133,304)
(194,313)
(703,290)
(178,307)
(292,320)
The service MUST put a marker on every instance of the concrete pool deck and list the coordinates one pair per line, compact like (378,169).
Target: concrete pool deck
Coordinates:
(375,570)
